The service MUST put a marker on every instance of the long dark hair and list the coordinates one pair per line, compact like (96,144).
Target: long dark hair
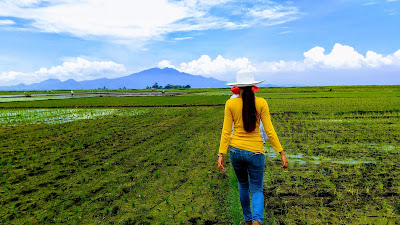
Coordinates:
(249,112)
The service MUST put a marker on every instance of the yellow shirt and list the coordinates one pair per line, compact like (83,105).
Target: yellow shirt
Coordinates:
(250,141)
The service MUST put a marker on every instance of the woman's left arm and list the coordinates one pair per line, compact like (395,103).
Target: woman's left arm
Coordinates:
(226,130)
(225,135)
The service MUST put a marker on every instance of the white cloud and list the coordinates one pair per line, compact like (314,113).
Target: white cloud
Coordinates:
(285,32)
(165,63)
(374,59)
(182,38)
(78,69)
(23,3)
(219,68)
(341,58)
(345,57)
(281,66)
(274,12)
(369,3)
(132,21)
(6,22)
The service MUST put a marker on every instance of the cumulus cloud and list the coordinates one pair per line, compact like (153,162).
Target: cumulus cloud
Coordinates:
(341,58)
(78,69)
(374,59)
(219,68)
(131,21)
(165,63)
(280,66)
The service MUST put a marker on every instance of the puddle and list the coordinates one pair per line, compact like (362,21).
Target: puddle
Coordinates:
(388,147)
(302,159)
(38,97)
(222,93)
(380,147)
(297,156)
(351,161)
(52,116)
(35,97)
(299,161)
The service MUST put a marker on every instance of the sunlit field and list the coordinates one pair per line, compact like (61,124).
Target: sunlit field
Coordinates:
(152,160)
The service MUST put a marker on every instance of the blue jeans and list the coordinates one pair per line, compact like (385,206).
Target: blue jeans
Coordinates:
(249,164)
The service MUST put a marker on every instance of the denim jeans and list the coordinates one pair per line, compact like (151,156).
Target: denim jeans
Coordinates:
(249,165)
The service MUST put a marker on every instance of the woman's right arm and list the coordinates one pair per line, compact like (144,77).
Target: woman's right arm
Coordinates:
(285,162)
(269,128)
(272,136)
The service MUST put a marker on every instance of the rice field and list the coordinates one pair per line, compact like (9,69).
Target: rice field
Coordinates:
(116,160)
(14,117)
(27,99)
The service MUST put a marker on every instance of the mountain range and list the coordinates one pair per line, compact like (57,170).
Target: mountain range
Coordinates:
(140,80)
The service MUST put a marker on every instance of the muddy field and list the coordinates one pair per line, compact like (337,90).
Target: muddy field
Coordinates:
(131,165)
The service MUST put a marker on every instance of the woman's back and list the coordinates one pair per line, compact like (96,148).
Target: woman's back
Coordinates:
(236,107)
(242,139)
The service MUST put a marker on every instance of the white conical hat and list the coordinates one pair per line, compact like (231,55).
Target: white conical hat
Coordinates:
(244,79)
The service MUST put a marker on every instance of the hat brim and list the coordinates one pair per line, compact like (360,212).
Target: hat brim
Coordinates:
(244,84)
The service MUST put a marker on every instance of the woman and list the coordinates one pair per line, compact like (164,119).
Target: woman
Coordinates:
(246,150)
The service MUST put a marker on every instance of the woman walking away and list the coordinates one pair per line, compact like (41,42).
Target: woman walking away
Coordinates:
(246,150)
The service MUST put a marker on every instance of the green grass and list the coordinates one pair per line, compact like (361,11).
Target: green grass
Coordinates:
(158,165)
(233,198)
(341,99)
(342,170)
(113,169)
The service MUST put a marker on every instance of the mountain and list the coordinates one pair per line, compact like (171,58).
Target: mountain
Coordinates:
(134,81)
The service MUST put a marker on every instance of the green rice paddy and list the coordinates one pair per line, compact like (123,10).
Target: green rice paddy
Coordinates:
(120,160)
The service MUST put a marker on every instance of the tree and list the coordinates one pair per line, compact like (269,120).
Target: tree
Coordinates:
(155,85)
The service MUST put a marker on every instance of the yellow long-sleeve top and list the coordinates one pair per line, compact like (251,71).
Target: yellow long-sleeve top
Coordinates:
(250,141)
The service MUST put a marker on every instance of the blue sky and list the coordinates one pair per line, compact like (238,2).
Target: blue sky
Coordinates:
(338,42)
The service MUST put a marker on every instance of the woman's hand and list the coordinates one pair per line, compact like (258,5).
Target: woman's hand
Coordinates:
(285,162)
(220,162)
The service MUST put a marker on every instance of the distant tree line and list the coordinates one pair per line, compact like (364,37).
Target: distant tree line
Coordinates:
(168,86)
